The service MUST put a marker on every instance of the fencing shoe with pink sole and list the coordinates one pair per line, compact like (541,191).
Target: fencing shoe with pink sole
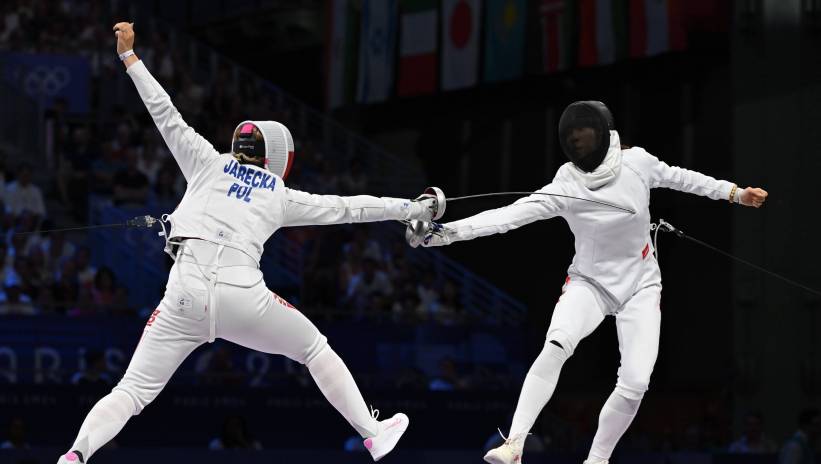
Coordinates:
(390,431)
(72,457)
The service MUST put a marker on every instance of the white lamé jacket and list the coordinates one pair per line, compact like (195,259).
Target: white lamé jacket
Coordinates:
(613,247)
(241,206)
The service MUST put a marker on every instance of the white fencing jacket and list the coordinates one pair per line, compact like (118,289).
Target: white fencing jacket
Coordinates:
(240,205)
(613,248)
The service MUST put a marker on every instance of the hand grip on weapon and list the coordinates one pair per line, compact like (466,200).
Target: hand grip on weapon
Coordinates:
(433,202)
(427,234)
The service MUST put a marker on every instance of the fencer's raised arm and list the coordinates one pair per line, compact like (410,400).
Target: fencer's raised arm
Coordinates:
(189,148)
(662,175)
(500,220)
(303,209)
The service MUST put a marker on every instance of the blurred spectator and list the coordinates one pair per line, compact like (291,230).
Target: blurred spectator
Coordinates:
(15,302)
(234,435)
(216,367)
(22,237)
(448,311)
(800,447)
(55,249)
(753,440)
(354,180)
(6,261)
(22,195)
(151,155)
(362,244)
(67,292)
(165,189)
(73,175)
(3,178)
(369,288)
(105,286)
(411,378)
(190,95)
(86,273)
(103,170)
(16,435)
(354,444)
(323,253)
(448,378)
(130,185)
(95,373)
(426,290)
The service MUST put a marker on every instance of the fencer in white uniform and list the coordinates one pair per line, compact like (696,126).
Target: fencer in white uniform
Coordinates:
(233,203)
(614,271)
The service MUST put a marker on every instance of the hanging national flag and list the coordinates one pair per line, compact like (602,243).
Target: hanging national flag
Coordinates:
(656,26)
(556,20)
(602,31)
(340,46)
(504,39)
(418,44)
(377,50)
(460,43)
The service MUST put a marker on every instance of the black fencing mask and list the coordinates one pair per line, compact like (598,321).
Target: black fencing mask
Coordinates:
(584,133)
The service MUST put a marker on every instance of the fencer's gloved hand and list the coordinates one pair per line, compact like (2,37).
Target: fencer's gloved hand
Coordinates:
(432,204)
(427,234)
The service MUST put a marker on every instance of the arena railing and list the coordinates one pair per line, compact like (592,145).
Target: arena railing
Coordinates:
(477,295)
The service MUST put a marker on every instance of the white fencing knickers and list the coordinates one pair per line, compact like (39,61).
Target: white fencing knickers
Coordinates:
(214,292)
(581,308)
(218,292)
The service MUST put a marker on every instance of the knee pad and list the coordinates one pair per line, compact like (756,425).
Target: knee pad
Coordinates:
(319,344)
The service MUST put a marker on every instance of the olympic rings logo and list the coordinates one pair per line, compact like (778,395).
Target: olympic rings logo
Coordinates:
(46,81)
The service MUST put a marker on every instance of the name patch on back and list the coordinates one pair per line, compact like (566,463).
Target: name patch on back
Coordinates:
(251,177)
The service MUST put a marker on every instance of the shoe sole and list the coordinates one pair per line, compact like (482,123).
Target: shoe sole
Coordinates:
(494,460)
(394,441)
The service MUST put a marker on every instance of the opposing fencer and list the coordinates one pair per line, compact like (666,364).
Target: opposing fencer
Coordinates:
(614,271)
(232,204)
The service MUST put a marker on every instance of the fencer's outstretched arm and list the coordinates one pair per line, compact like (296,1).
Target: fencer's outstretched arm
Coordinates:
(190,149)
(304,209)
(500,220)
(676,178)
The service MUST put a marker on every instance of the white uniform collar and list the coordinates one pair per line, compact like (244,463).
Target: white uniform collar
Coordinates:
(608,169)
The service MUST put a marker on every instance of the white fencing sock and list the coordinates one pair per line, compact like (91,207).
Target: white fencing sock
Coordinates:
(616,415)
(538,388)
(103,422)
(337,384)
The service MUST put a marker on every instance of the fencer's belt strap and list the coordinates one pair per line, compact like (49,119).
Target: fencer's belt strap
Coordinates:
(205,253)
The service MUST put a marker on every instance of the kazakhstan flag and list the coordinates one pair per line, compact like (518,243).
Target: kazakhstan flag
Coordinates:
(504,39)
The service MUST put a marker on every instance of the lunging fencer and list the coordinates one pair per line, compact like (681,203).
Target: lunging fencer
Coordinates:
(614,271)
(232,204)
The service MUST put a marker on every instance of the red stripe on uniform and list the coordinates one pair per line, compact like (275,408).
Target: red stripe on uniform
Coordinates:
(288,166)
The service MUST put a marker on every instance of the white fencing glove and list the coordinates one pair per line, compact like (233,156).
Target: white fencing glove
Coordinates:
(427,234)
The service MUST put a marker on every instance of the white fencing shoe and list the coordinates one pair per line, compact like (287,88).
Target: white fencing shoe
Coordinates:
(390,431)
(509,453)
